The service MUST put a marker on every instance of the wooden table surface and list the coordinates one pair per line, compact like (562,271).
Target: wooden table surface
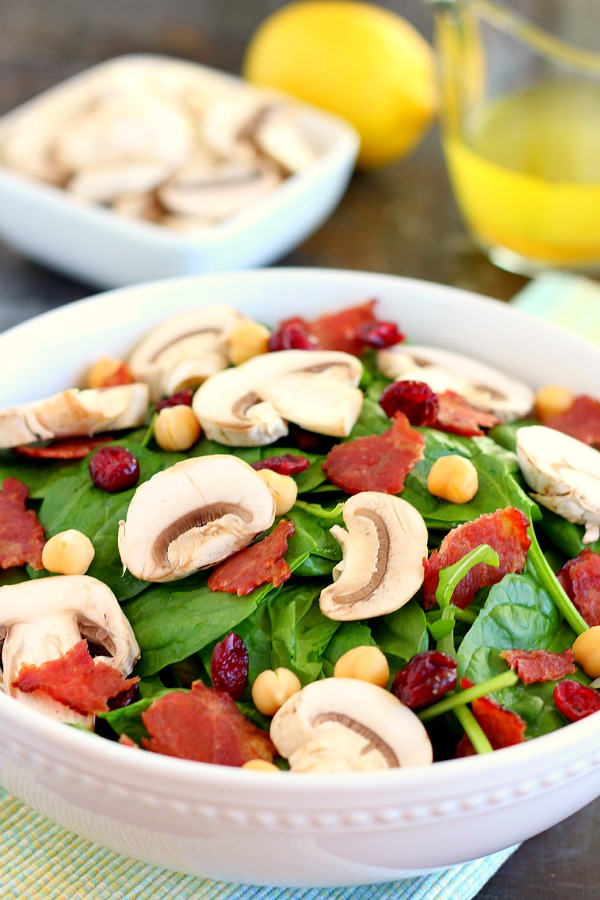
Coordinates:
(400,219)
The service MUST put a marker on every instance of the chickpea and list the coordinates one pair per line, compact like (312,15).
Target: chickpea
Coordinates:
(176,428)
(247,340)
(272,688)
(103,370)
(551,400)
(261,765)
(68,553)
(283,488)
(453,478)
(587,651)
(365,664)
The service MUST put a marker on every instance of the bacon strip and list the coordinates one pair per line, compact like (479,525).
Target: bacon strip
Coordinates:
(540,665)
(581,421)
(505,531)
(377,462)
(248,568)
(204,725)
(580,577)
(347,330)
(21,534)
(457,416)
(75,680)
(69,448)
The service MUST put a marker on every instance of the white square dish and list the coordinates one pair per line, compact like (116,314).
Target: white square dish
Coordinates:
(107,249)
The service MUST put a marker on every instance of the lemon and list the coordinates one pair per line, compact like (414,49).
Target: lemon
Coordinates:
(357,60)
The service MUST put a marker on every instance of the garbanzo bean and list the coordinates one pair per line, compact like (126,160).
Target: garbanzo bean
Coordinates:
(453,478)
(262,765)
(102,371)
(551,400)
(68,553)
(247,340)
(587,651)
(283,488)
(364,663)
(176,428)
(272,688)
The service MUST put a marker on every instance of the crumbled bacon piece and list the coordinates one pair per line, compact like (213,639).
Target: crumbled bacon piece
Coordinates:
(21,535)
(502,727)
(505,531)
(580,578)
(540,665)
(377,462)
(581,421)
(459,417)
(245,570)
(350,330)
(204,725)
(67,448)
(75,680)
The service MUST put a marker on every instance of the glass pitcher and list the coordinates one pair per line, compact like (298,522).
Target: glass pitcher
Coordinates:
(520,119)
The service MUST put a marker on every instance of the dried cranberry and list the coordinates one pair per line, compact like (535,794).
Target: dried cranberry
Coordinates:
(125,698)
(576,701)
(229,666)
(180,398)
(414,398)
(292,335)
(382,334)
(287,464)
(309,441)
(424,678)
(114,469)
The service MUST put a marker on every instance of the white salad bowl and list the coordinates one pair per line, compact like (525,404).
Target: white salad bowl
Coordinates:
(279,828)
(108,249)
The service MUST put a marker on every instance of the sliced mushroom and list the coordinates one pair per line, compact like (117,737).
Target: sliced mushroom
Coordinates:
(443,370)
(347,725)
(74,412)
(217,189)
(107,181)
(383,552)
(315,389)
(279,134)
(193,515)
(565,475)
(185,349)
(40,620)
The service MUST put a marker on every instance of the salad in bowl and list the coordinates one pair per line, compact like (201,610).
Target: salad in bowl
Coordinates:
(342,544)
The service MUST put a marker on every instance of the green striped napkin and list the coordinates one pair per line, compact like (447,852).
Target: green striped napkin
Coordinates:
(570,301)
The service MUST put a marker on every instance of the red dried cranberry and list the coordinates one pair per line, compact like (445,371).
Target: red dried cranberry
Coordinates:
(180,398)
(292,335)
(114,469)
(309,441)
(414,398)
(576,701)
(286,464)
(425,678)
(125,698)
(229,666)
(382,334)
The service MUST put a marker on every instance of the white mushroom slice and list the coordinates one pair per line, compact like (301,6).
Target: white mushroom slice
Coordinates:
(29,148)
(383,552)
(565,475)
(193,515)
(279,134)
(232,413)
(226,125)
(481,385)
(139,206)
(74,412)
(197,338)
(250,405)
(347,725)
(217,189)
(40,620)
(106,181)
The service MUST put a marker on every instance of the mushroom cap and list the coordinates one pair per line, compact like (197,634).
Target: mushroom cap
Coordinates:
(43,618)
(343,724)
(564,473)
(443,370)
(74,412)
(193,515)
(383,552)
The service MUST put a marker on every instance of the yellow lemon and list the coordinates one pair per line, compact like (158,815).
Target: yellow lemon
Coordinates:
(360,61)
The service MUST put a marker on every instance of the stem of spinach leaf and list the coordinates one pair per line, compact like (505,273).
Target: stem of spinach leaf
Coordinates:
(452,575)
(461,698)
(553,587)
(473,730)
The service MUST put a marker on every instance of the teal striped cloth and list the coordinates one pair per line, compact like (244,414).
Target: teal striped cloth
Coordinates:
(570,301)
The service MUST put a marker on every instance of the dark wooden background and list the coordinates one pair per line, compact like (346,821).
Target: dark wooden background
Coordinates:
(400,219)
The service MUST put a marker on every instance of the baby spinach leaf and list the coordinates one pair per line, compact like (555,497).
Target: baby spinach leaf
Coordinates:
(567,536)
(348,636)
(401,634)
